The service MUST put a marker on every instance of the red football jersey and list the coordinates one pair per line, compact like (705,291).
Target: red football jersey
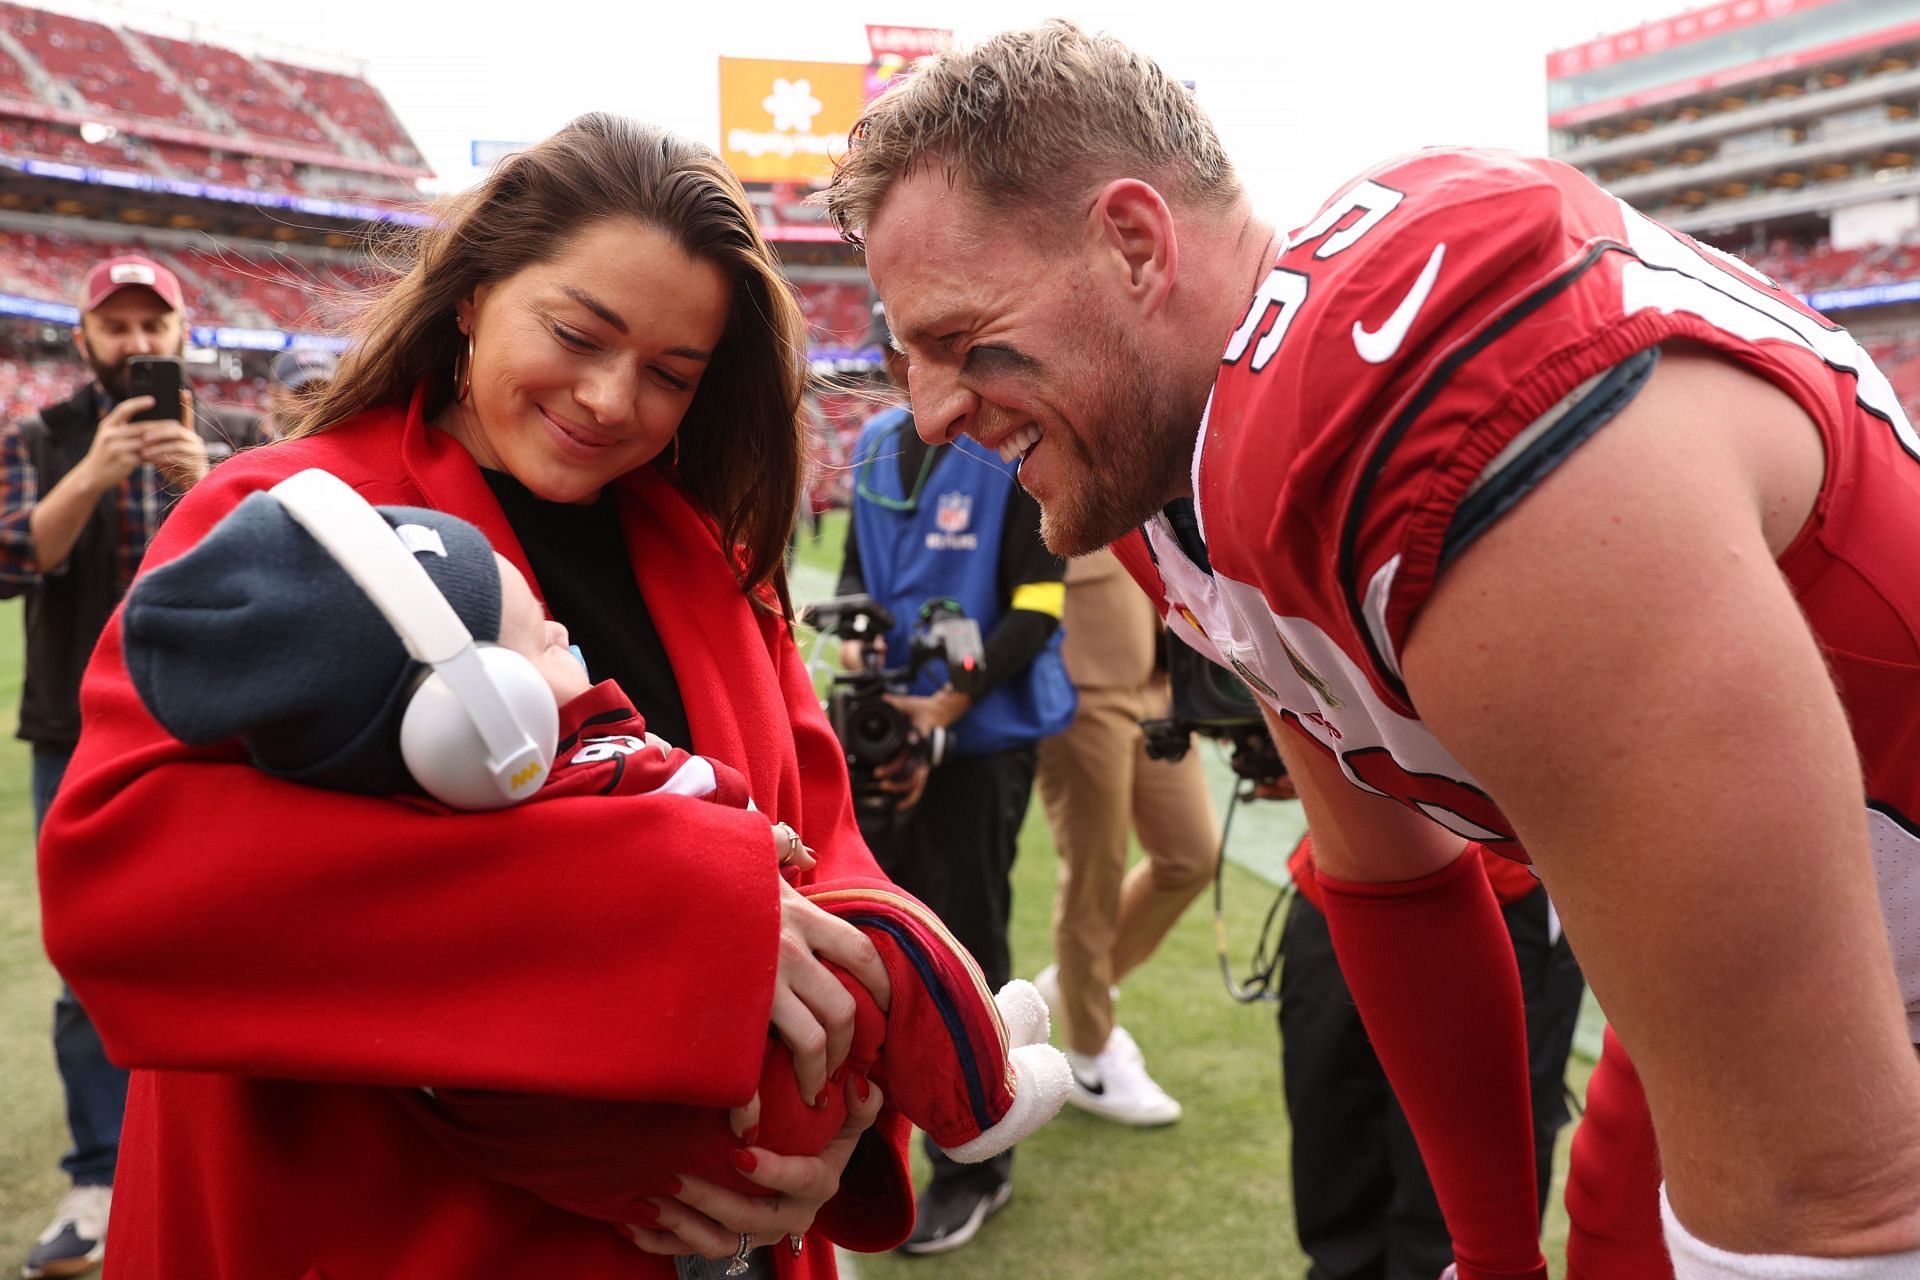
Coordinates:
(1413,363)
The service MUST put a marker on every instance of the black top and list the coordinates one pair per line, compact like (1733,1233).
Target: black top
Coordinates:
(579,558)
(1185,522)
(1017,639)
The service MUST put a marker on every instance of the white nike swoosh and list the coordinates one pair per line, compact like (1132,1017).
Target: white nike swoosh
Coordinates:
(1379,346)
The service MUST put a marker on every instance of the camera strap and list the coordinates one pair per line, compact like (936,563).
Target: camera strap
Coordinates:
(1262,983)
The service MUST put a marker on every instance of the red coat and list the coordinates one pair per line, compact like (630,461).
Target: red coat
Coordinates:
(269,958)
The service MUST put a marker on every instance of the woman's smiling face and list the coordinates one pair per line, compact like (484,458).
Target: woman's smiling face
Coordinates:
(584,364)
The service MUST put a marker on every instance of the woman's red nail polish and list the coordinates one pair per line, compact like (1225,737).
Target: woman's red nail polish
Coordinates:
(752,1135)
(674,1188)
(646,1215)
(866,1089)
(743,1160)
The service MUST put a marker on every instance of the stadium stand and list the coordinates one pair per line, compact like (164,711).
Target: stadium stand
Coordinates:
(355,106)
(1821,266)
(28,382)
(93,58)
(254,286)
(838,312)
(232,83)
(13,81)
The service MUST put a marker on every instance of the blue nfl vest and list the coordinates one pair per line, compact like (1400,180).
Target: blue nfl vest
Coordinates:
(947,544)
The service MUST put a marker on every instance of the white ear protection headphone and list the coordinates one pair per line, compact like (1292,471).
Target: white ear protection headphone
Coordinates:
(480,730)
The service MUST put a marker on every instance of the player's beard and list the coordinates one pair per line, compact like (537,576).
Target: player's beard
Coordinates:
(1146,428)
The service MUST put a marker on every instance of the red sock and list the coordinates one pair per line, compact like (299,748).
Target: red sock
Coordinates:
(1431,969)
(1613,1182)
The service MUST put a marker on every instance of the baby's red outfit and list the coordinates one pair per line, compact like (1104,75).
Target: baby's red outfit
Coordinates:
(975,1073)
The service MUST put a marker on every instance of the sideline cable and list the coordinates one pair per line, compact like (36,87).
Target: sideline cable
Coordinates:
(1262,983)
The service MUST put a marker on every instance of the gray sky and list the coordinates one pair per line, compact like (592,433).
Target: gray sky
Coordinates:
(1304,94)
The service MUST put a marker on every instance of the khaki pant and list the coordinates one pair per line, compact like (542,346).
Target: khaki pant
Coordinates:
(1095,781)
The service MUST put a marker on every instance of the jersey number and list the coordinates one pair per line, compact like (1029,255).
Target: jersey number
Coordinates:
(1284,292)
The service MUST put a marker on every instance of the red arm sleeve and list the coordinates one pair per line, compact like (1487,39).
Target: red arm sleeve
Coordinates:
(214,918)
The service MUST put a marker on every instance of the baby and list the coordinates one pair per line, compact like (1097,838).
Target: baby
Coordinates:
(261,636)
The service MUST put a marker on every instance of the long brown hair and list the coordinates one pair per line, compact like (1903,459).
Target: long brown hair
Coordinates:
(741,444)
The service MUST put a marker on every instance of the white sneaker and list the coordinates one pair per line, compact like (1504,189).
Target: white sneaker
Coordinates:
(1114,1084)
(76,1240)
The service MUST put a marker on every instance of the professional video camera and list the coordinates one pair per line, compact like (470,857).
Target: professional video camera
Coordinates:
(1211,701)
(872,730)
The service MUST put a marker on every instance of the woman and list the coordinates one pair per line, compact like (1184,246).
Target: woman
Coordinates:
(592,358)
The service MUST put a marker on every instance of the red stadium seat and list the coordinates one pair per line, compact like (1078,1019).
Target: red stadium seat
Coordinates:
(94,60)
(355,106)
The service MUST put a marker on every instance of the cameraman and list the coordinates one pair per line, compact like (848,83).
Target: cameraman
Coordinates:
(951,521)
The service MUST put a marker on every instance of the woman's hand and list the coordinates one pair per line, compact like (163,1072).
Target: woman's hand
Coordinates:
(812,1012)
(709,1220)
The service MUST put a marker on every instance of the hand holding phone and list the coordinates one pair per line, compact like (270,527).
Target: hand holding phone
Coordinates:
(163,378)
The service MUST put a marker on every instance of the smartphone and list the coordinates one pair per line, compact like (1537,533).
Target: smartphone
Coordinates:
(163,378)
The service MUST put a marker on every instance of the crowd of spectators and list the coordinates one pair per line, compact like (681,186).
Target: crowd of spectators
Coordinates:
(180,160)
(262,289)
(254,287)
(54,142)
(837,311)
(28,381)
(1807,268)
(259,290)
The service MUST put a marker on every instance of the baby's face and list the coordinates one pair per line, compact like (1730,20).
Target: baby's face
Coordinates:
(526,630)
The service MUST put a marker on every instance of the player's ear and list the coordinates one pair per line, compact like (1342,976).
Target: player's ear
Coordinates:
(1136,232)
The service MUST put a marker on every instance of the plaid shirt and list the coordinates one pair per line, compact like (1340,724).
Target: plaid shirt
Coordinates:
(138,503)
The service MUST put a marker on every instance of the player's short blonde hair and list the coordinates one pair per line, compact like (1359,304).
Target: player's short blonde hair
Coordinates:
(1029,118)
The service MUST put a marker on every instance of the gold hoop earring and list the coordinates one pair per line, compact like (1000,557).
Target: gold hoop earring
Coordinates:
(674,444)
(463,373)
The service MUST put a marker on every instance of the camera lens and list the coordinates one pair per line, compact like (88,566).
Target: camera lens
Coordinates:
(876,734)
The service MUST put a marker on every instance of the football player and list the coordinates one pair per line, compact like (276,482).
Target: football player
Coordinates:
(1532,522)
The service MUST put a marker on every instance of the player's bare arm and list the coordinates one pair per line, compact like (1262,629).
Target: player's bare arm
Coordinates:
(1358,835)
(1694,802)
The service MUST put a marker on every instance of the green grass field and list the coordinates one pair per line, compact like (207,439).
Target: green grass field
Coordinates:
(1206,1197)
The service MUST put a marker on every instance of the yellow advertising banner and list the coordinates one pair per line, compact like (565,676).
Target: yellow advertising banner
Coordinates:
(787,121)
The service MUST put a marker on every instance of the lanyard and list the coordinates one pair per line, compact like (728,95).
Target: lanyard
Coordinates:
(872,494)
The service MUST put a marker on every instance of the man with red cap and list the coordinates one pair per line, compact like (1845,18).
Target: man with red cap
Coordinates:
(83,486)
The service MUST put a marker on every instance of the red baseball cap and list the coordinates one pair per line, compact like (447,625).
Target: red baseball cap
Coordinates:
(131,271)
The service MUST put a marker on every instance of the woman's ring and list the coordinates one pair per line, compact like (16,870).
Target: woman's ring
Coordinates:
(738,1267)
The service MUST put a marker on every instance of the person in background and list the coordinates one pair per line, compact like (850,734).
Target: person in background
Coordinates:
(936,522)
(84,486)
(292,378)
(1096,783)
